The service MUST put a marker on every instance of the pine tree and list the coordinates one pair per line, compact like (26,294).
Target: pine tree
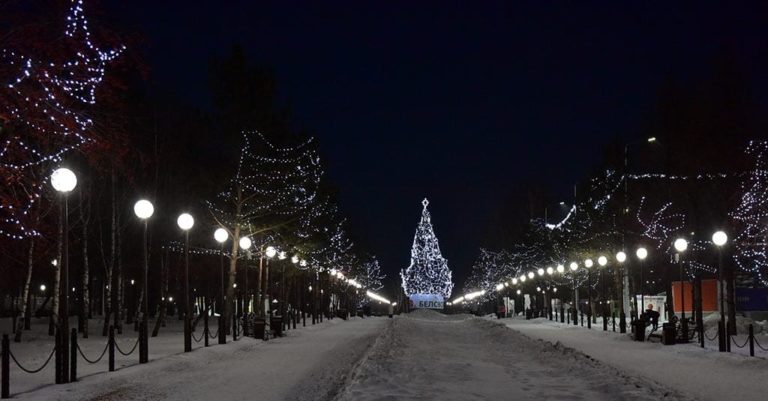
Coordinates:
(751,215)
(428,272)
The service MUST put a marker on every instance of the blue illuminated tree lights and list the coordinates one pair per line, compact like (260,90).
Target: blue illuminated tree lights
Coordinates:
(428,272)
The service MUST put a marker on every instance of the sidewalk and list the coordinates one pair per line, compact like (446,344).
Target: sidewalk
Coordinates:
(697,372)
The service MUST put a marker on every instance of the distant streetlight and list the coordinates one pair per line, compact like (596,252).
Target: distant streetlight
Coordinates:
(602,261)
(271,252)
(574,266)
(652,139)
(514,281)
(531,275)
(621,257)
(245,243)
(560,269)
(540,271)
(42,287)
(588,263)
(144,210)
(63,181)
(550,270)
(294,259)
(185,222)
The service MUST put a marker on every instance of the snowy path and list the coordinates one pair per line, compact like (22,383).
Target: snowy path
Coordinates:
(311,363)
(429,356)
(699,373)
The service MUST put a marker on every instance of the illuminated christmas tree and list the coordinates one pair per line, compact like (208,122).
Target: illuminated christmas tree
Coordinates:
(428,272)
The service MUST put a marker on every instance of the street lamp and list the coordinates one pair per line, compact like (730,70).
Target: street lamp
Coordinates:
(720,238)
(602,261)
(271,252)
(221,235)
(245,244)
(681,245)
(641,253)
(575,266)
(531,275)
(63,181)
(621,257)
(185,222)
(588,264)
(550,270)
(560,269)
(144,210)
(540,271)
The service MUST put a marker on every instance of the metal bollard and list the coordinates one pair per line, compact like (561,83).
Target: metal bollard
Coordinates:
(112,349)
(5,392)
(751,341)
(73,356)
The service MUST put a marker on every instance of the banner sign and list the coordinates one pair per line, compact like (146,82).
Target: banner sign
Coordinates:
(427,301)
(752,299)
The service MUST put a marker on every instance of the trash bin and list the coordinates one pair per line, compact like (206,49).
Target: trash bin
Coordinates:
(639,329)
(258,327)
(276,324)
(668,334)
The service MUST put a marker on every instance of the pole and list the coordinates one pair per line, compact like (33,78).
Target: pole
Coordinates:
(187,310)
(589,297)
(62,351)
(683,322)
(642,287)
(144,338)
(721,282)
(222,320)
(5,365)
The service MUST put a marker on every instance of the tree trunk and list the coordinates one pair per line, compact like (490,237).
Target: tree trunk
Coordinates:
(730,300)
(25,293)
(109,284)
(229,303)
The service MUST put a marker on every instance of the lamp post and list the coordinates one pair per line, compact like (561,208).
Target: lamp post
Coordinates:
(720,238)
(270,253)
(641,254)
(245,244)
(602,261)
(221,235)
(185,222)
(63,181)
(575,266)
(588,264)
(680,246)
(144,210)
(621,257)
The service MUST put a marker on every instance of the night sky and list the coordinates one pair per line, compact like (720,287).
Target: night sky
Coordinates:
(460,102)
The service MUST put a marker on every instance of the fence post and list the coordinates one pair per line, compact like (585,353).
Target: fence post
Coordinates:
(581,316)
(720,336)
(727,338)
(751,341)
(73,356)
(205,328)
(701,333)
(234,327)
(6,364)
(112,348)
(613,321)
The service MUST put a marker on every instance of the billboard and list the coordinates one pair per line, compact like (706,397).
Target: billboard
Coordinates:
(426,301)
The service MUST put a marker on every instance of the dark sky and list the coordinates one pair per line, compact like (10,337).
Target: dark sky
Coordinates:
(456,101)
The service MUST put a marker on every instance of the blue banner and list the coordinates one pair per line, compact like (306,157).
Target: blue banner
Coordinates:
(752,299)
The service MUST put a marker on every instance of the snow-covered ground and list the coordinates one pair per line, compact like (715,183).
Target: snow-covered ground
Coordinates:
(699,373)
(420,356)
(429,356)
(310,363)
